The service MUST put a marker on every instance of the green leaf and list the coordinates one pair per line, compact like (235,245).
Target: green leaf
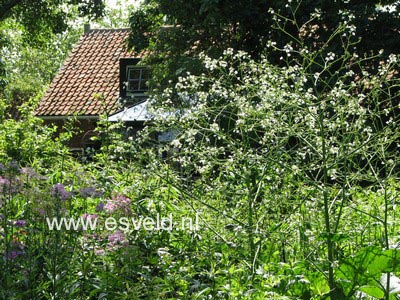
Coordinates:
(371,261)
(373,291)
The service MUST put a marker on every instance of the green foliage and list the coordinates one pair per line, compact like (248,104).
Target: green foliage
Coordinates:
(34,40)
(28,69)
(175,32)
(41,18)
(116,15)
(27,140)
(290,171)
(272,145)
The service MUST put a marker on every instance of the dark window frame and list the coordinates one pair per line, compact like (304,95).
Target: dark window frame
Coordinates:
(124,65)
(140,80)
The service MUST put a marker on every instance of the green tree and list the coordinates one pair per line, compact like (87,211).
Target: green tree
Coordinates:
(29,68)
(41,15)
(176,31)
(32,29)
(116,16)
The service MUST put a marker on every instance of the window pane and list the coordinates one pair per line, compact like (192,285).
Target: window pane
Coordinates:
(137,78)
(134,74)
(133,86)
(143,85)
(145,73)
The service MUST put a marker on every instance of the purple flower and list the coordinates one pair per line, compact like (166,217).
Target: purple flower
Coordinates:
(29,172)
(110,206)
(100,206)
(90,192)
(118,202)
(10,186)
(59,191)
(19,223)
(100,252)
(117,240)
(13,254)
(90,216)
(5,184)
(13,167)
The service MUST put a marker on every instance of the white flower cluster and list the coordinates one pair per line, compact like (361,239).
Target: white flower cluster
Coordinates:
(252,111)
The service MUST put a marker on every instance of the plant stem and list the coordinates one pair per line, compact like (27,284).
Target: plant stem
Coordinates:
(329,242)
(385,226)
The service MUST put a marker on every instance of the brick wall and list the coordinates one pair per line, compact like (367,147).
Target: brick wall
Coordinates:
(84,131)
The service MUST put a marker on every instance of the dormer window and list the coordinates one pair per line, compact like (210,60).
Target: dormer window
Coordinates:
(136,79)
(133,80)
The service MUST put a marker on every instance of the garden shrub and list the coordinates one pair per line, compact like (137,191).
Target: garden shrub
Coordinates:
(285,155)
(292,177)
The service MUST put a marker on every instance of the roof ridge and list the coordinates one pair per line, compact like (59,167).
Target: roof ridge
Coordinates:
(108,29)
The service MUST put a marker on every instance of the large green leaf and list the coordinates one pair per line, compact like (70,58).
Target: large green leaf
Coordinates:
(373,291)
(370,262)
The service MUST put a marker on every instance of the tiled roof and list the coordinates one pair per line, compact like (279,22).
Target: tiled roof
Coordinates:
(88,82)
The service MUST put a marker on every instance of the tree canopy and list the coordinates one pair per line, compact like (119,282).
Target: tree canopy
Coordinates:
(34,39)
(42,15)
(176,31)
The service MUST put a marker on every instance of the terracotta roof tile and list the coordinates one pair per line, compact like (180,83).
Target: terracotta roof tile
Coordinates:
(91,68)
